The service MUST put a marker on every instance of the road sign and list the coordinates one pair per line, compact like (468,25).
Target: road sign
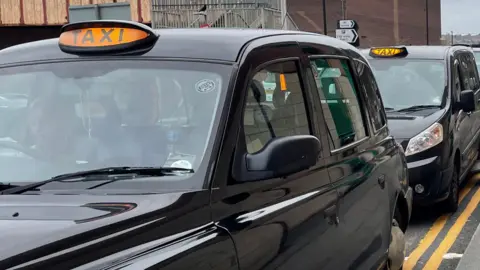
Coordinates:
(347,35)
(346,24)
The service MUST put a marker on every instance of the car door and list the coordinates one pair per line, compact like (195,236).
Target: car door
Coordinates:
(277,223)
(359,161)
(464,120)
(475,115)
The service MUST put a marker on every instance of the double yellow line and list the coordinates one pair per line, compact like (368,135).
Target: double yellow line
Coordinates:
(436,259)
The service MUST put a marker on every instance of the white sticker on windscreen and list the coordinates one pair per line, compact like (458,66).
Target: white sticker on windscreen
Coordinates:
(205,86)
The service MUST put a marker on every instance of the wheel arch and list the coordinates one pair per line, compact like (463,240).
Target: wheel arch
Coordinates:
(402,206)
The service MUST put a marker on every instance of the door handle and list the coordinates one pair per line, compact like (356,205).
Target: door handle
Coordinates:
(331,215)
(381,181)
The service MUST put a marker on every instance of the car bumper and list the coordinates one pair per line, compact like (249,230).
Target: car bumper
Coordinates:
(434,178)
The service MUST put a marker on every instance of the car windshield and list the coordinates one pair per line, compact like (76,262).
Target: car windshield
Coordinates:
(58,118)
(405,83)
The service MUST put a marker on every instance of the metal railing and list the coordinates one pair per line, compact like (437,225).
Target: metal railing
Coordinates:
(226,4)
(223,14)
(230,18)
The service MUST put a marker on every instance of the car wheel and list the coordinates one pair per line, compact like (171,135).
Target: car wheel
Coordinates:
(397,248)
(451,203)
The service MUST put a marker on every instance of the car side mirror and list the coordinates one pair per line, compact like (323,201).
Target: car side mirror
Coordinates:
(467,101)
(280,157)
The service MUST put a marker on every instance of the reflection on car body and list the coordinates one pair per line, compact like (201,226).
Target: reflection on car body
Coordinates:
(433,94)
(188,163)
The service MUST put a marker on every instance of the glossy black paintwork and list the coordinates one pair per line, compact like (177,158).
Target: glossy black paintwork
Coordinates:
(63,232)
(416,122)
(212,43)
(281,223)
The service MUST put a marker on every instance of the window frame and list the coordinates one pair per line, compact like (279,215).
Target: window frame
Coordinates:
(382,128)
(302,81)
(360,97)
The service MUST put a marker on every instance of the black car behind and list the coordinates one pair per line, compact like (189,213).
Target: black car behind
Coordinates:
(431,98)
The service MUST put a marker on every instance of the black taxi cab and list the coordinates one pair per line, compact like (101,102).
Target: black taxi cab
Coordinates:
(431,96)
(159,149)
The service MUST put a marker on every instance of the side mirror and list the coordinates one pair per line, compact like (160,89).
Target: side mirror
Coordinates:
(280,157)
(467,101)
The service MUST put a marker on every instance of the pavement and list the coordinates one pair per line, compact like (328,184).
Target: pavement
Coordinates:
(447,241)
(470,259)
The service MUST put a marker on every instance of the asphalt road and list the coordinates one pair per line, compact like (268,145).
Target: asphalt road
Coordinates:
(436,240)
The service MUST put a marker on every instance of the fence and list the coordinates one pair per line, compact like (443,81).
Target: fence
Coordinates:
(224,14)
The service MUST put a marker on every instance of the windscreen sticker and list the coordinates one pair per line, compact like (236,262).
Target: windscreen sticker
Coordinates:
(184,164)
(205,86)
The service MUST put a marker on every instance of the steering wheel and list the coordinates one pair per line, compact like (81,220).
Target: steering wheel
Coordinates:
(20,148)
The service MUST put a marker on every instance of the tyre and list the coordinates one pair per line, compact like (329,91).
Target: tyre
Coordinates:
(396,250)
(450,205)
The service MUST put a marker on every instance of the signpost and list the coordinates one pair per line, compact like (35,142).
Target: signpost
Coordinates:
(109,11)
(347,30)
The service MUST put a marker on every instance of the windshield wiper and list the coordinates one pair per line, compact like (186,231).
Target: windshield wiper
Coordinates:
(389,109)
(93,175)
(418,108)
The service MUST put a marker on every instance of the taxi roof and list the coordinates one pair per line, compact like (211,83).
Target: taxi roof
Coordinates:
(200,43)
(422,52)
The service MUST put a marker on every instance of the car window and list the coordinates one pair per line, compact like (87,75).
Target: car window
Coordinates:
(87,115)
(465,72)
(472,71)
(374,100)
(409,82)
(477,59)
(264,120)
(340,102)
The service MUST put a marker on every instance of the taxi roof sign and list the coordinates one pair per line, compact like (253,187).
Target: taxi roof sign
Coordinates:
(388,52)
(106,37)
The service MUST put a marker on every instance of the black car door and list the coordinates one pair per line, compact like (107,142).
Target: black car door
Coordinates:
(476,114)
(277,223)
(360,159)
(464,121)
(474,83)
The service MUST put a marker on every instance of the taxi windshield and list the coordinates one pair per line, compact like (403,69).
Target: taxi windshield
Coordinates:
(404,83)
(59,118)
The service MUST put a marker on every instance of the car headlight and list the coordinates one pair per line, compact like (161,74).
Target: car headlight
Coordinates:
(425,140)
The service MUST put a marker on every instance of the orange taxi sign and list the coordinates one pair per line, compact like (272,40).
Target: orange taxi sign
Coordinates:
(389,52)
(101,37)
(104,37)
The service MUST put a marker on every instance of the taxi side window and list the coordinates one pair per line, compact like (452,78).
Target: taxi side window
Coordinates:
(458,87)
(263,120)
(472,72)
(374,102)
(340,101)
(464,73)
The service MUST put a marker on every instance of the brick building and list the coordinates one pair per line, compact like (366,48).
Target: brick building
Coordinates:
(381,22)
